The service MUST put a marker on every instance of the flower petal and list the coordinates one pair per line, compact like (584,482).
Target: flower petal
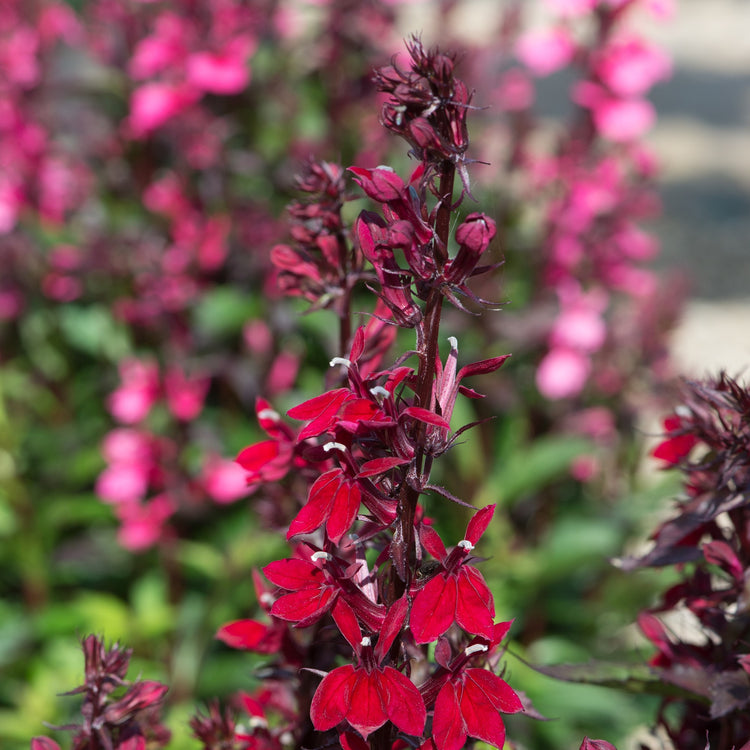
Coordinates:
(448,727)
(405,707)
(434,608)
(366,711)
(331,700)
(475,607)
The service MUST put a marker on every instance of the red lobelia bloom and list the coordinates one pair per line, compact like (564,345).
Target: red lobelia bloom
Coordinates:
(458,593)
(369,694)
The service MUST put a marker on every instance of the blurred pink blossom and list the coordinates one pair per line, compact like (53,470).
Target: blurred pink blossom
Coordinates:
(580,325)
(142,525)
(546,51)
(562,373)
(224,480)
(630,67)
(132,400)
(154,103)
(571,8)
(283,373)
(165,48)
(185,394)
(224,72)
(122,483)
(515,92)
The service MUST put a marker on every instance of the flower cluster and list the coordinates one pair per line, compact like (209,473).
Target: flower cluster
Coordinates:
(597,191)
(700,628)
(117,714)
(370,579)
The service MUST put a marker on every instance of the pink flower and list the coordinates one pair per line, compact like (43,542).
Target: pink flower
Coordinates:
(164,49)
(225,72)
(11,304)
(132,401)
(622,120)
(124,445)
(562,373)
(155,103)
(143,524)
(122,483)
(185,394)
(571,8)
(11,201)
(630,67)
(515,92)
(579,325)
(224,480)
(544,52)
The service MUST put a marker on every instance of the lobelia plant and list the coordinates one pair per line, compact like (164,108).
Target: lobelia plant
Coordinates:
(113,719)
(701,627)
(370,581)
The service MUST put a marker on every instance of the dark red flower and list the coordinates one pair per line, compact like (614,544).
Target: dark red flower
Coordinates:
(369,694)
(457,593)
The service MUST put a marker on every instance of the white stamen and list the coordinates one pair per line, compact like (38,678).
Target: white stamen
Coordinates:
(257,722)
(682,411)
(286,738)
(365,641)
(328,447)
(269,414)
(267,598)
(380,393)
(343,361)
(466,544)
(475,649)
(320,555)
(453,341)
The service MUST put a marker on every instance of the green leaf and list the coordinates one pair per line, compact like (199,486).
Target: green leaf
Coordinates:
(532,467)
(223,311)
(94,330)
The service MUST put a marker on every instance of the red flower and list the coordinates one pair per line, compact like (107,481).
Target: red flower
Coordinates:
(456,594)
(470,703)
(369,694)
(678,444)
(269,460)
